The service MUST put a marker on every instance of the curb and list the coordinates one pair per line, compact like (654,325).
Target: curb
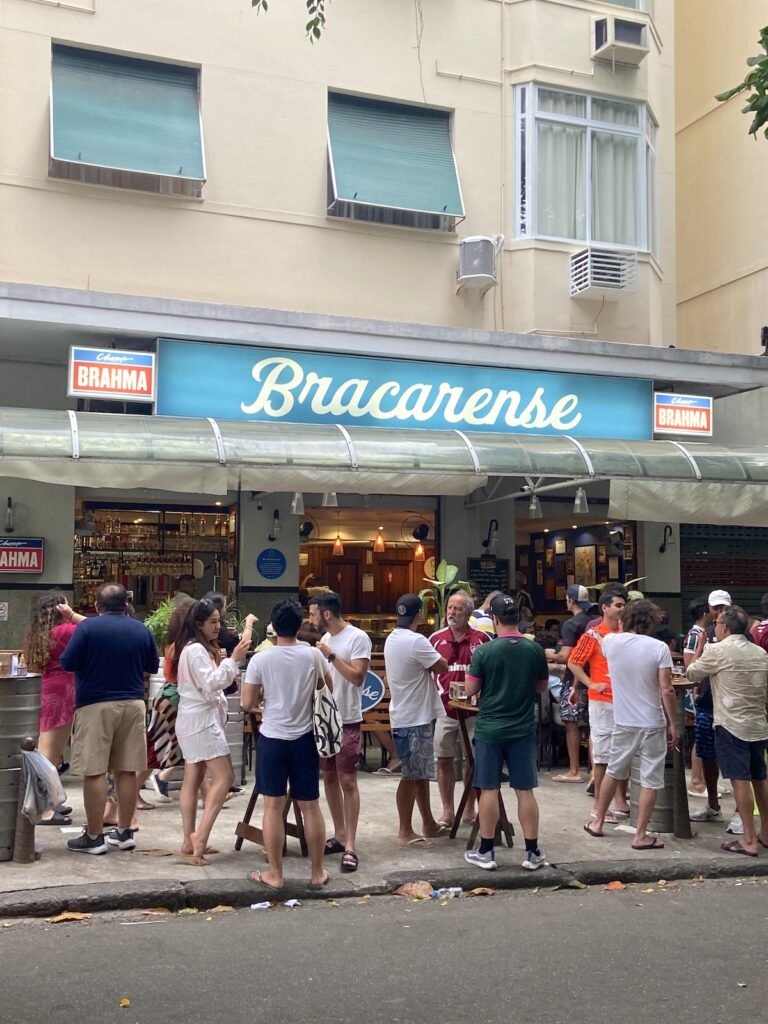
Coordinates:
(175,896)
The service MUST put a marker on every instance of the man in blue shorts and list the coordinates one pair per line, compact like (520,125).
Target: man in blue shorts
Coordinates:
(508,673)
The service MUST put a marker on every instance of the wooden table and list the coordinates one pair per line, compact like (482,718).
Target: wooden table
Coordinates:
(244,829)
(464,711)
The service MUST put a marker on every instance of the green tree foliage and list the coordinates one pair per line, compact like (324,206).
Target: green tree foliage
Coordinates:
(756,84)
(315,10)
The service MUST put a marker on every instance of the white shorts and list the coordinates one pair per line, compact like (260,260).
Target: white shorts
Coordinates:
(204,745)
(600,729)
(448,741)
(648,745)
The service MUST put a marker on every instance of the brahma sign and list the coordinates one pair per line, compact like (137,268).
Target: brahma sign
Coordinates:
(111,373)
(22,554)
(682,414)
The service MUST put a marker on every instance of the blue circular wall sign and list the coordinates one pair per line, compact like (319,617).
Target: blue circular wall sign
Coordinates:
(271,563)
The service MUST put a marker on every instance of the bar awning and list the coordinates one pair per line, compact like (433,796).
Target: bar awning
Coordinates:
(210,457)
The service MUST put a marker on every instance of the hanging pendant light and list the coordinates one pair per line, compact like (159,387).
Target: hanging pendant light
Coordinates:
(330,500)
(378,543)
(418,554)
(297,504)
(581,505)
(534,508)
(338,546)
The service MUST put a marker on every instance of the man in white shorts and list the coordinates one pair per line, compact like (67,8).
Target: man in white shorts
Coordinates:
(641,675)
(347,650)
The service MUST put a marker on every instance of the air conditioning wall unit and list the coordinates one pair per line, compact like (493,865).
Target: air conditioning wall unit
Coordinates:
(477,262)
(602,273)
(619,40)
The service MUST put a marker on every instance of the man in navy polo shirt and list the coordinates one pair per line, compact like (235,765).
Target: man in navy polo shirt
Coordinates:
(109,655)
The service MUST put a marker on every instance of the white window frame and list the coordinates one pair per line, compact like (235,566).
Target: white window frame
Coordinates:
(528,116)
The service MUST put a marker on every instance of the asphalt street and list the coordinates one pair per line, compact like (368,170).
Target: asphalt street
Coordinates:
(688,951)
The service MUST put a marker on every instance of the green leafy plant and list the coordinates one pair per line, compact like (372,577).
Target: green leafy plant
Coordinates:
(756,82)
(157,623)
(315,10)
(436,595)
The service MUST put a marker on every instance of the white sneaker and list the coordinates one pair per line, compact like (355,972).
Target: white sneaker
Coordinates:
(534,861)
(706,814)
(702,795)
(736,825)
(481,860)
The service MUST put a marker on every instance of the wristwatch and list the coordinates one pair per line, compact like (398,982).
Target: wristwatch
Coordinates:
(331,657)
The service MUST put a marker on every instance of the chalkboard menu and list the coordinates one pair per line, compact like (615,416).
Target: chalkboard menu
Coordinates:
(489,574)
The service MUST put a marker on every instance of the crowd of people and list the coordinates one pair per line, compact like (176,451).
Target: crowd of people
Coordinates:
(612,667)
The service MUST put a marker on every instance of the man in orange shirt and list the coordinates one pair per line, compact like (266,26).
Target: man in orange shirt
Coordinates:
(590,669)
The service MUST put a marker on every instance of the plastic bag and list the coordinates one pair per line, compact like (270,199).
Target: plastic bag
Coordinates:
(44,790)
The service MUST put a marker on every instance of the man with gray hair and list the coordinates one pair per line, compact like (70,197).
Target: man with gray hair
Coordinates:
(738,675)
(456,643)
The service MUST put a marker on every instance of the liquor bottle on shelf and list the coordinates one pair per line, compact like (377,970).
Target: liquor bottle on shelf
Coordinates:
(203,527)
(218,528)
(183,525)
(192,526)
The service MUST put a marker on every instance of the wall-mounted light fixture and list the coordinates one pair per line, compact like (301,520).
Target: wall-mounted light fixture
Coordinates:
(490,541)
(668,540)
(581,505)
(275,532)
(330,500)
(534,508)
(10,524)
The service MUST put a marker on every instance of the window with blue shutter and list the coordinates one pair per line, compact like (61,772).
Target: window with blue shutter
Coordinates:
(125,122)
(391,163)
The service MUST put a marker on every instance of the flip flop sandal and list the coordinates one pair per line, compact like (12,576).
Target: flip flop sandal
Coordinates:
(655,845)
(567,778)
(419,842)
(57,819)
(255,878)
(315,886)
(736,847)
(63,809)
(442,830)
(595,835)
(349,862)
(333,846)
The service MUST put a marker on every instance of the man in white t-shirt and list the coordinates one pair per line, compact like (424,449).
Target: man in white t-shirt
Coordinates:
(410,659)
(348,651)
(640,668)
(286,677)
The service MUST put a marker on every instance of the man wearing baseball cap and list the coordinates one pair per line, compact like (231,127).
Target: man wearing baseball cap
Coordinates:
(410,659)
(508,673)
(574,717)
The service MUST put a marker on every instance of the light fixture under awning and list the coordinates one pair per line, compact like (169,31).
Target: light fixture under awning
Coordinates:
(208,456)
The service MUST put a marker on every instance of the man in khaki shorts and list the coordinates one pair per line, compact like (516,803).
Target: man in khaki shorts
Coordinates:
(109,655)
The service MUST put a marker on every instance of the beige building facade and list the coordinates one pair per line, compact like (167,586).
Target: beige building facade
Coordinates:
(259,235)
(722,202)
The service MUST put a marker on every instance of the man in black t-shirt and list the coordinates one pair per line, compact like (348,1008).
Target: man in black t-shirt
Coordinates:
(578,603)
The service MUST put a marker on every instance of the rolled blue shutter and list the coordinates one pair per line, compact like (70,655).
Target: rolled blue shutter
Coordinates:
(122,112)
(392,155)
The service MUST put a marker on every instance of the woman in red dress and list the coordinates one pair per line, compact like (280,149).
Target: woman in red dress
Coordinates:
(50,628)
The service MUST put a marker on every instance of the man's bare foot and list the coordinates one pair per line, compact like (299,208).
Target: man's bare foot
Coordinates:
(187,849)
(143,805)
(198,850)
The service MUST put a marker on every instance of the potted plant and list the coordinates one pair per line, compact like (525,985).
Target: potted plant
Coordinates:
(157,623)
(435,597)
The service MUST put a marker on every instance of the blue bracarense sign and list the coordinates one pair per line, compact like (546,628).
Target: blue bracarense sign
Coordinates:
(243,383)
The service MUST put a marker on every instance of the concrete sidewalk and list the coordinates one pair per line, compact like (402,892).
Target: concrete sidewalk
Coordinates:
(155,874)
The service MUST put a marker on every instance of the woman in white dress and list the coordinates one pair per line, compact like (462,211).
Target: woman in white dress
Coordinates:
(201,719)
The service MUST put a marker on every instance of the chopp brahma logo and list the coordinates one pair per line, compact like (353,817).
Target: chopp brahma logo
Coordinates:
(682,414)
(110,373)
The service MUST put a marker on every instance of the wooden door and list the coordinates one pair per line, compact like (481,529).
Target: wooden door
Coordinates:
(343,576)
(392,578)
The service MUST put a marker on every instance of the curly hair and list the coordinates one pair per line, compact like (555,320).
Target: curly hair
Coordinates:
(642,617)
(37,645)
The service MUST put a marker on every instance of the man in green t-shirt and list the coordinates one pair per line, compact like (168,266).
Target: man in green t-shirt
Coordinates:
(508,673)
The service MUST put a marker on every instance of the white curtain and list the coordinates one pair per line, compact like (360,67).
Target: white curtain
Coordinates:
(561,197)
(614,188)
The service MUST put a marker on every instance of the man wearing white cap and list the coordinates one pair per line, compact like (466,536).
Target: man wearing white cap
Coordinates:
(573,717)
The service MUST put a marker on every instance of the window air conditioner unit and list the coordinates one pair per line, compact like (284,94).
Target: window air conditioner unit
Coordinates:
(619,40)
(477,262)
(601,273)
